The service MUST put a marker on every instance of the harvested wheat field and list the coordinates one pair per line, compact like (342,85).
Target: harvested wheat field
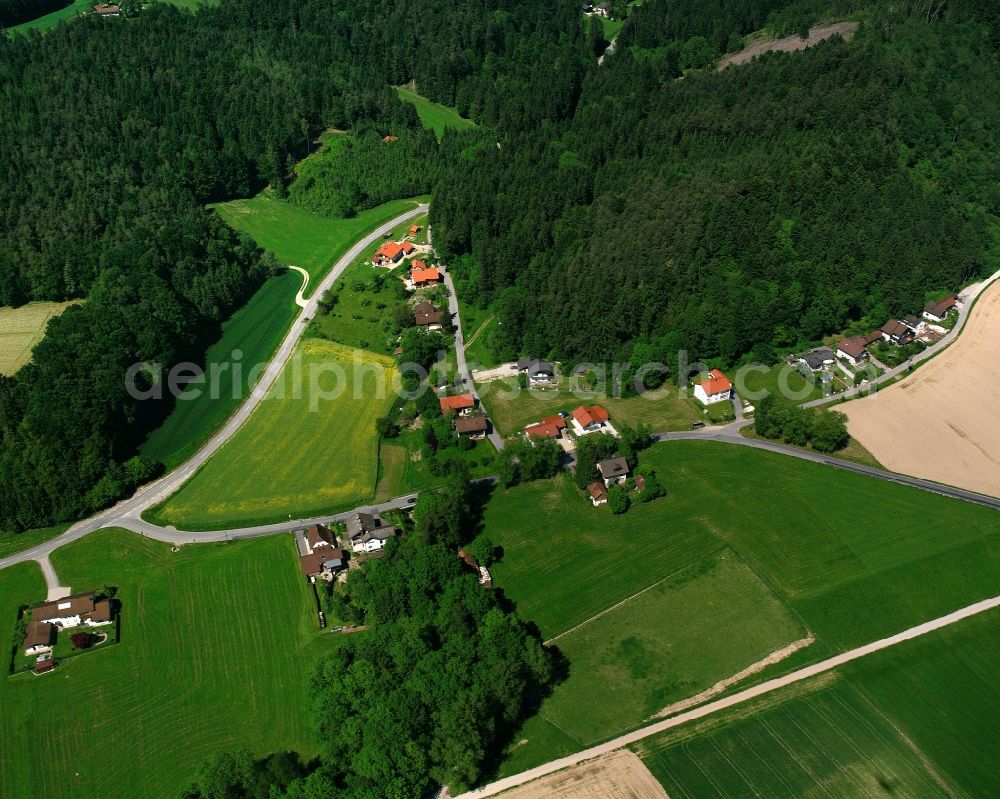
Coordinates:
(619,775)
(789,44)
(940,423)
(21,329)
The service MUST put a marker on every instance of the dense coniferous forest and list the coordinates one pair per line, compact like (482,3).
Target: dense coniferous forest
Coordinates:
(116,132)
(755,208)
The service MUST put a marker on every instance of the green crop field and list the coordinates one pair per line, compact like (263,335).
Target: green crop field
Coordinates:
(512,409)
(301,453)
(676,640)
(255,331)
(21,329)
(565,560)
(830,743)
(300,237)
(435,116)
(217,645)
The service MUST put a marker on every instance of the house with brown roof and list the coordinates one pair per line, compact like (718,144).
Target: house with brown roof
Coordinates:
(74,611)
(598,493)
(895,332)
(549,427)
(457,403)
(590,419)
(319,536)
(853,350)
(415,229)
(474,426)
(714,388)
(613,470)
(324,562)
(426,316)
(369,532)
(937,311)
(107,10)
(39,637)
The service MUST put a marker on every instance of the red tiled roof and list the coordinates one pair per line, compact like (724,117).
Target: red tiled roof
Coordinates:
(716,383)
(587,415)
(458,402)
(418,265)
(407,248)
(414,230)
(431,275)
(549,427)
(391,250)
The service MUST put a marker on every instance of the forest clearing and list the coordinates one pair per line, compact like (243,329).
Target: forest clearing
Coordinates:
(789,44)
(21,329)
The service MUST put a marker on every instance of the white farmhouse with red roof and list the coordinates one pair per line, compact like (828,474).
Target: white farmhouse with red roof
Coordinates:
(714,388)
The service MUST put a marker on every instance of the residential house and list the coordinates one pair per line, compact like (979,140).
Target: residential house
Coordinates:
(39,636)
(457,403)
(369,532)
(912,322)
(590,419)
(587,8)
(895,332)
(319,536)
(324,562)
(714,388)
(415,229)
(817,359)
(428,317)
(537,370)
(107,10)
(44,664)
(598,493)
(430,276)
(853,350)
(613,470)
(74,611)
(473,426)
(937,311)
(549,427)
(603,9)
(388,253)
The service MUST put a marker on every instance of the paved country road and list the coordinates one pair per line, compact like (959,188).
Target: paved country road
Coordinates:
(127,513)
(734,700)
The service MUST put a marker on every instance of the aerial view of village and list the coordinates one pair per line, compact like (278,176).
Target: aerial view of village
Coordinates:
(500,398)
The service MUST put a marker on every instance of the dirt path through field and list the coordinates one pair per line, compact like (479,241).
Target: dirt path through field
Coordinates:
(620,775)
(790,43)
(940,423)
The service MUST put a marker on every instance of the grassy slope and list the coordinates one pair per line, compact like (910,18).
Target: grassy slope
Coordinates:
(53,18)
(16,542)
(435,116)
(835,545)
(255,330)
(722,618)
(300,237)
(21,329)
(299,454)
(512,409)
(217,645)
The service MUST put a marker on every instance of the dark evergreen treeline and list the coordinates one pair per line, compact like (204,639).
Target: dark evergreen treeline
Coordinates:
(14,12)
(759,207)
(116,132)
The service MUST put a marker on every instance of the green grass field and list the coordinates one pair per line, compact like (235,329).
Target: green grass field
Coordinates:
(16,542)
(218,642)
(255,330)
(435,116)
(793,521)
(681,637)
(53,18)
(830,743)
(917,720)
(300,453)
(300,237)
(21,329)
(512,409)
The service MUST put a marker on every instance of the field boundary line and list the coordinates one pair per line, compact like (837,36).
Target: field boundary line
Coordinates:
(736,699)
(478,332)
(629,599)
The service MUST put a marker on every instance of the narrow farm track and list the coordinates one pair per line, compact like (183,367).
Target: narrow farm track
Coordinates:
(739,698)
(128,512)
